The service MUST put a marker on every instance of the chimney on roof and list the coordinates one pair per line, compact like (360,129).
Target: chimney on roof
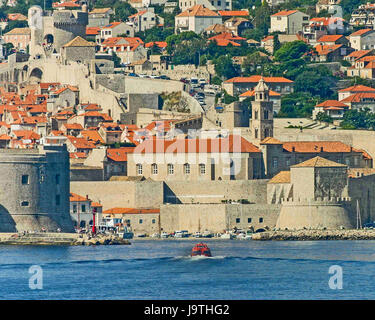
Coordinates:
(293,149)
(87,196)
(321,149)
(351,149)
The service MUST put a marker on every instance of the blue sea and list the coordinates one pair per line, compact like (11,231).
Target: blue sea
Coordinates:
(162,269)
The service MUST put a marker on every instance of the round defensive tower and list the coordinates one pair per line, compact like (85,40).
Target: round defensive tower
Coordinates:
(35,193)
(314,214)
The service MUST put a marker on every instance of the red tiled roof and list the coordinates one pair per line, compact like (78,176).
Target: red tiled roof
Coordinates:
(160,44)
(92,135)
(256,79)
(358,97)
(198,11)
(234,13)
(358,88)
(92,31)
(331,103)
(284,13)
(73,197)
(361,32)
(251,93)
(130,211)
(315,146)
(330,38)
(119,154)
(233,144)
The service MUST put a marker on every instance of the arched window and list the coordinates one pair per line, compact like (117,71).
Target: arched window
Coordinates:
(170,168)
(187,168)
(256,133)
(139,169)
(83,224)
(154,168)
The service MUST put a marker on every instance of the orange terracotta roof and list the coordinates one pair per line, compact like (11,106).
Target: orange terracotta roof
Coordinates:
(358,97)
(72,126)
(160,44)
(26,134)
(361,32)
(284,13)
(81,143)
(233,144)
(77,155)
(317,146)
(119,154)
(358,88)
(330,38)
(326,49)
(198,11)
(331,103)
(73,197)
(256,79)
(234,13)
(251,93)
(92,31)
(139,13)
(114,211)
(359,53)
(92,135)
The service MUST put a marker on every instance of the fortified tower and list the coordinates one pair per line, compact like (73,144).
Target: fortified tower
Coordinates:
(262,114)
(50,30)
(35,191)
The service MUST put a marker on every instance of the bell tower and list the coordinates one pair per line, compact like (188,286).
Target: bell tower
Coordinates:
(262,114)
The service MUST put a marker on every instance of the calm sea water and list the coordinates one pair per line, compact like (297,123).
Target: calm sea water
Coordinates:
(164,270)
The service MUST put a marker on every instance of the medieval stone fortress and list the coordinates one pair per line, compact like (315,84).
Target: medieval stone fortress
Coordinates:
(192,116)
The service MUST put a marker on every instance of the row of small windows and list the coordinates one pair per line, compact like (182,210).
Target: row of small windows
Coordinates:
(170,169)
(249,220)
(140,221)
(275,161)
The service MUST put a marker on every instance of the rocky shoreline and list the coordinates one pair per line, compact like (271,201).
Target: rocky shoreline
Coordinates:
(57,239)
(314,235)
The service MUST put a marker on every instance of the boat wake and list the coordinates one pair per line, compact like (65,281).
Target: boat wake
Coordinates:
(198,258)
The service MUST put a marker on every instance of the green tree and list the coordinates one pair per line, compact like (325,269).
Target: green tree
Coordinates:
(316,81)
(291,51)
(224,67)
(254,64)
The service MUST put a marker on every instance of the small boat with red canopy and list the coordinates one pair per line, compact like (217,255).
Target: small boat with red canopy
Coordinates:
(201,249)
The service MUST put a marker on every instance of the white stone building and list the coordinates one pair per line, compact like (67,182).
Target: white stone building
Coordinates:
(288,21)
(196,19)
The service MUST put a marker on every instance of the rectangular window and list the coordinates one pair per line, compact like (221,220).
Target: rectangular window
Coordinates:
(25,179)
(74,208)
(170,169)
(83,208)
(260,220)
(153,221)
(24,203)
(187,168)
(139,169)
(58,200)
(202,169)
(249,220)
(140,221)
(238,220)
(57,179)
